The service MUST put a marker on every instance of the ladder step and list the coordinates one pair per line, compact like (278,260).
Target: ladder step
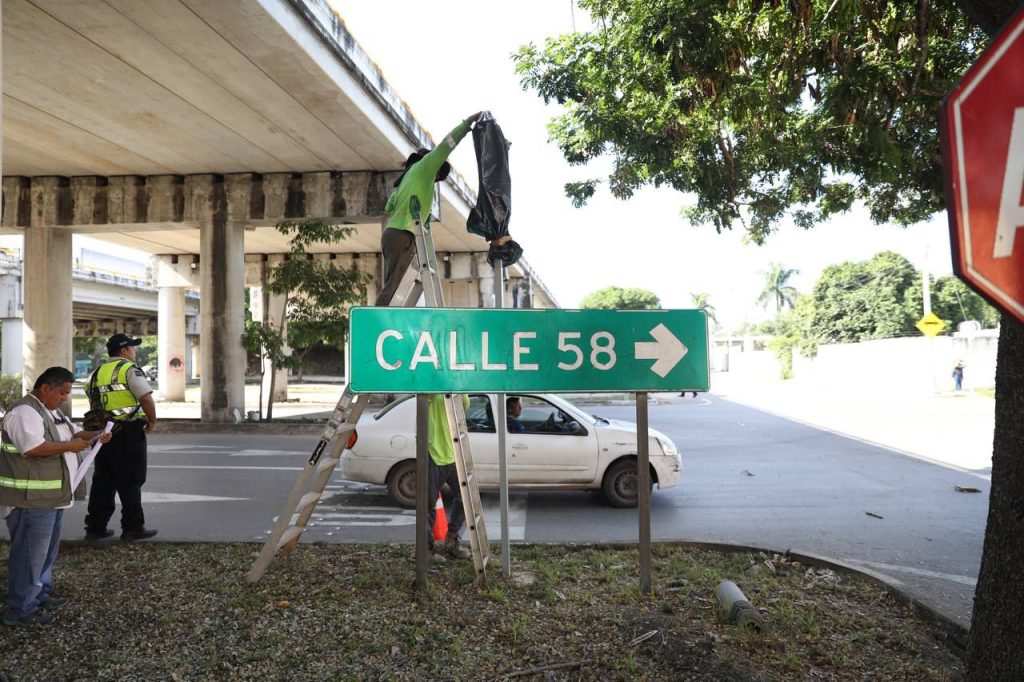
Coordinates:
(292,533)
(326,463)
(308,499)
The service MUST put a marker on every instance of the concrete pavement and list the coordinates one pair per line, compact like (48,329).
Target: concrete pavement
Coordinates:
(953,429)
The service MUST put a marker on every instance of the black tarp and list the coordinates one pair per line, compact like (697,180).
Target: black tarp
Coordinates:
(489,218)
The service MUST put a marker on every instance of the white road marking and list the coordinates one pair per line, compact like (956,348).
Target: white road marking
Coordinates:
(203,466)
(338,515)
(153,498)
(925,573)
(270,453)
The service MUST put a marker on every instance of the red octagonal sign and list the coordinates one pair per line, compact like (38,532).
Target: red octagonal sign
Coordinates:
(983,158)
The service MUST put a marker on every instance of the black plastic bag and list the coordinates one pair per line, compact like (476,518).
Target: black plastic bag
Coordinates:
(490,217)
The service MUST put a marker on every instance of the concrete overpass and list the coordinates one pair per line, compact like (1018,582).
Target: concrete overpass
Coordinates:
(102,303)
(187,129)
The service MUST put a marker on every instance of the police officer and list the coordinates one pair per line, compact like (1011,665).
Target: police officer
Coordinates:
(119,387)
(38,462)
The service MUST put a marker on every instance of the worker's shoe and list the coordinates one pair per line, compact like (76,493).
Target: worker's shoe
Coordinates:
(453,549)
(54,603)
(137,534)
(436,552)
(92,536)
(37,618)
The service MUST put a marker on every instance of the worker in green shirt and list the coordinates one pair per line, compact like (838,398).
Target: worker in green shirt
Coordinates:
(442,470)
(414,188)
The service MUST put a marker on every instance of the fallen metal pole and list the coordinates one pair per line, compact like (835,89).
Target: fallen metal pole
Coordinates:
(739,611)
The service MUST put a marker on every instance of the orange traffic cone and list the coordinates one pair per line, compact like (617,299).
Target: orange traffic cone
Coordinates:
(440,520)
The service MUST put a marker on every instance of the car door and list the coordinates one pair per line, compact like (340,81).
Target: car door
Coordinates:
(483,439)
(552,448)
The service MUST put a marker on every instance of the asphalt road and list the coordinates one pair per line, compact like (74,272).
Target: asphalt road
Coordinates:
(749,478)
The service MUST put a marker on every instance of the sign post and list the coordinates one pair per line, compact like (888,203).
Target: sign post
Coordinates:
(982,126)
(492,350)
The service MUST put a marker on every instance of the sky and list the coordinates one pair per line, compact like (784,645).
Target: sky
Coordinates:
(450,58)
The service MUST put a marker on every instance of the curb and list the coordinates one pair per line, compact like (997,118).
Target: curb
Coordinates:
(275,428)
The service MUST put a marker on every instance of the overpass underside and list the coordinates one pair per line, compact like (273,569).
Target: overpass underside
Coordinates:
(188,129)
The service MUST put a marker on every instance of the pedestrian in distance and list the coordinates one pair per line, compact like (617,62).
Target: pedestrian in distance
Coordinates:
(119,392)
(39,458)
(412,199)
(441,470)
(958,376)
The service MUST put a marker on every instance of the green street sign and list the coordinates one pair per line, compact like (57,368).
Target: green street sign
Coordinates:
(449,350)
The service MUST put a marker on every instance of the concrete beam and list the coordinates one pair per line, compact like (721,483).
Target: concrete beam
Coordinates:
(257,200)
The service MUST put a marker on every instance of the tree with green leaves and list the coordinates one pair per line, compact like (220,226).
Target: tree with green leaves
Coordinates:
(866,300)
(764,110)
(318,294)
(777,288)
(617,298)
(955,302)
(702,301)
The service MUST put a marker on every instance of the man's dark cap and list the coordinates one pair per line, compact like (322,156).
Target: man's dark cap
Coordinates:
(118,341)
(442,172)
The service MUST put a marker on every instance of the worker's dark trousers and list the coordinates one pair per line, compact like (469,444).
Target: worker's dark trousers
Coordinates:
(120,468)
(397,246)
(438,476)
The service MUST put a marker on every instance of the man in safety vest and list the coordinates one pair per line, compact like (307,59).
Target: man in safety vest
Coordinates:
(38,461)
(441,469)
(414,190)
(120,389)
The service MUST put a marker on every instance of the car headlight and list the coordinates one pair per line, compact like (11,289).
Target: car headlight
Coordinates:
(668,447)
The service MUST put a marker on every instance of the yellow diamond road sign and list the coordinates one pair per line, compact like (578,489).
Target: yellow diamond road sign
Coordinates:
(931,324)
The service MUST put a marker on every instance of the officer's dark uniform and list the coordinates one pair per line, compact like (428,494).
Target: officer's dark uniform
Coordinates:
(120,464)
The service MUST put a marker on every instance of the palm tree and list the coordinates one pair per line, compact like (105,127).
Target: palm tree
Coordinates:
(778,288)
(700,302)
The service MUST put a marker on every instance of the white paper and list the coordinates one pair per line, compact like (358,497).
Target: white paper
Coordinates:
(83,468)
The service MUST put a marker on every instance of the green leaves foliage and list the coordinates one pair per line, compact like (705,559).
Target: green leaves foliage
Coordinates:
(318,294)
(760,108)
(617,298)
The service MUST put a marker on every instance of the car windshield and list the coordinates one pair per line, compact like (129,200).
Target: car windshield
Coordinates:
(569,407)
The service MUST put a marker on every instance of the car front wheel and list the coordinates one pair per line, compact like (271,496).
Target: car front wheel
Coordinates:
(621,484)
(402,484)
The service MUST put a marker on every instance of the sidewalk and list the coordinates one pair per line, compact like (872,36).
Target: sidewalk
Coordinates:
(952,429)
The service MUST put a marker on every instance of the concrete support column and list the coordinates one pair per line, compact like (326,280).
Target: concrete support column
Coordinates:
(48,325)
(196,355)
(486,281)
(171,342)
(13,346)
(222,279)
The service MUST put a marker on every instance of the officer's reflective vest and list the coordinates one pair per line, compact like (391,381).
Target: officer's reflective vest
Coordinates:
(108,390)
(33,482)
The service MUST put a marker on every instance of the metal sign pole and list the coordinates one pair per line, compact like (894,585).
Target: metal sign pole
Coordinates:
(501,427)
(423,529)
(644,496)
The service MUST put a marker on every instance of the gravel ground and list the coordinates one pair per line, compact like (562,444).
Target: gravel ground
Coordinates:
(164,611)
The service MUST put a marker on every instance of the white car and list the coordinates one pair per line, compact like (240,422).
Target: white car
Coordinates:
(561,447)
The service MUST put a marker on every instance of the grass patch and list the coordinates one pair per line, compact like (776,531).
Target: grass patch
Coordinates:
(348,612)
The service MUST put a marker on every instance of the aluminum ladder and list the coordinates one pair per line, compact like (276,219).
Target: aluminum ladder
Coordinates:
(337,435)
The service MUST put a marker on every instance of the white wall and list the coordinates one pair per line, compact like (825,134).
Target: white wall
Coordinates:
(914,363)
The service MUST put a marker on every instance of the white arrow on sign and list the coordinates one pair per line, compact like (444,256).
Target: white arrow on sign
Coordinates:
(666,349)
